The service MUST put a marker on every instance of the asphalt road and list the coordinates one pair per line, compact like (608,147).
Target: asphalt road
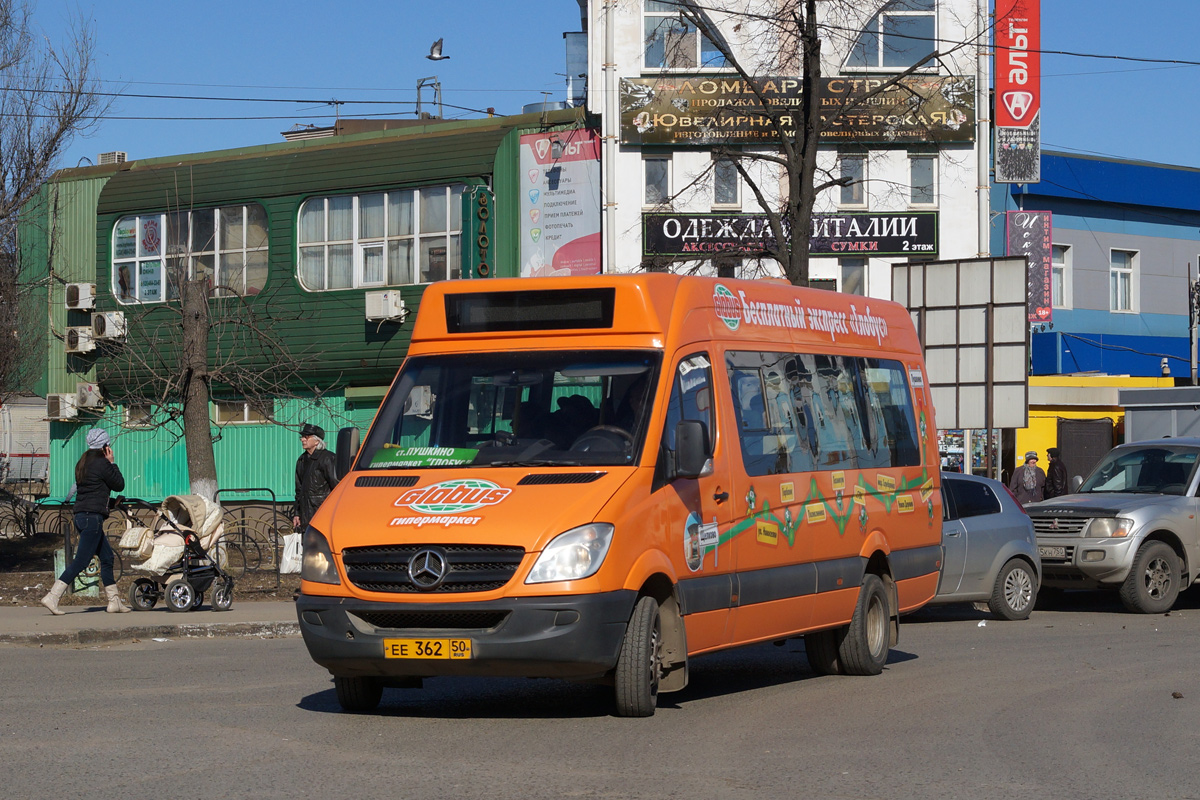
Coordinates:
(1069,704)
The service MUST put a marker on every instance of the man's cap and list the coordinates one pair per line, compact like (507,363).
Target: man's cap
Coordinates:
(312,430)
(1052,452)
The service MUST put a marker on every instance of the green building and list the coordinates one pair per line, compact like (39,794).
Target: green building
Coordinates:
(317,240)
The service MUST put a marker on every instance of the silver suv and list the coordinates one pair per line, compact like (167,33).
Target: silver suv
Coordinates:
(1131,526)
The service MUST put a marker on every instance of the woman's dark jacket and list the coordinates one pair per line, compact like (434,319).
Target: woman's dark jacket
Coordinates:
(316,475)
(101,479)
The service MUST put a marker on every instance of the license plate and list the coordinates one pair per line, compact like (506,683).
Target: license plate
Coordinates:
(427,648)
(1052,552)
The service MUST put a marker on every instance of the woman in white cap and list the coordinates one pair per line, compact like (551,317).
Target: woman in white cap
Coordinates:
(96,478)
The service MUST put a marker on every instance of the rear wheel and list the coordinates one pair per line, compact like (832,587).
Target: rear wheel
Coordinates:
(638,666)
(1015,591)
(1153,583)
(822,651)
(358,694)
(180,596)
(143,594)
(864,649)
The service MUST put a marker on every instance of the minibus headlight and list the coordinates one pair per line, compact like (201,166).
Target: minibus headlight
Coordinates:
(576,554)
(1106,527)
(317,565)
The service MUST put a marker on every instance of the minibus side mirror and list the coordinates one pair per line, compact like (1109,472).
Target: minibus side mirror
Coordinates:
(1076,482)
(347,450)
(691,450)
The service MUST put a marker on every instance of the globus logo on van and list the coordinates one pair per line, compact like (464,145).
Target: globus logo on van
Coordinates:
(728,309)
(453,496)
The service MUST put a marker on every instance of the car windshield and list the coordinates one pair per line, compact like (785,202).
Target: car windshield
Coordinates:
(1157,469)
(541,408)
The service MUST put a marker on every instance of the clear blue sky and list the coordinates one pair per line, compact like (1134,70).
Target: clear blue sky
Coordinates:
(505,54)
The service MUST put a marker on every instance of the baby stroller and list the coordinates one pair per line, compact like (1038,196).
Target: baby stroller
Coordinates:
(184,556)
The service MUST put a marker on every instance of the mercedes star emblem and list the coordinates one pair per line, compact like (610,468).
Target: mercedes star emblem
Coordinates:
(427,569)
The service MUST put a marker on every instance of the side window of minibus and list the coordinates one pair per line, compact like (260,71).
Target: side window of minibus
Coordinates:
(691,399)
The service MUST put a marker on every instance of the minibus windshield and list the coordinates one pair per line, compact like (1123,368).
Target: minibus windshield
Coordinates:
(539,408)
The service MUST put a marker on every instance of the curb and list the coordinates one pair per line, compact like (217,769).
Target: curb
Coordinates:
(260,630)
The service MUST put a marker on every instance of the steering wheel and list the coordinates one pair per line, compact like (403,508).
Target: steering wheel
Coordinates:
(603,439)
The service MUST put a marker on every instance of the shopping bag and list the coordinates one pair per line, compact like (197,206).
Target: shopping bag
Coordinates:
(293,553)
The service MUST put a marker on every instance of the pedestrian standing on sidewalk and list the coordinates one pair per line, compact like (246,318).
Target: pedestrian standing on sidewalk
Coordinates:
(316,475)
(1028,481)
(96,477)
(1056,475)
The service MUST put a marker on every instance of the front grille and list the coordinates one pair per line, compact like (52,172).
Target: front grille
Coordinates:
(1062,575)
(1059,526)
(434,620)
(470,568)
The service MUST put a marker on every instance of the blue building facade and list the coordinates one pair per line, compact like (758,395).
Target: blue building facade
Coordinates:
(1126,240)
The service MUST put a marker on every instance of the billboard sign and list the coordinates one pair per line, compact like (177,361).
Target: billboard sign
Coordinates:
(1018,91)
(724,109)
(1029,234)
(703,235)
(560,203)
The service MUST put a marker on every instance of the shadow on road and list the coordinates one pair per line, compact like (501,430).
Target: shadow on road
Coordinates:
(731,672)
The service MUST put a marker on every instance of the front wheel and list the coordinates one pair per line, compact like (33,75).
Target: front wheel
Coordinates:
(1015,591)
(222,599)
(864,649)
(821,648)
(639,664)
(181,595)
(1153,583)
(358,694)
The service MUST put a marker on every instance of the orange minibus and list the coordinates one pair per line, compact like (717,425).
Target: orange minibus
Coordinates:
(600,478)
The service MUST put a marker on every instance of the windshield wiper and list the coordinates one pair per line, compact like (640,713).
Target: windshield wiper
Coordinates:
(530,462)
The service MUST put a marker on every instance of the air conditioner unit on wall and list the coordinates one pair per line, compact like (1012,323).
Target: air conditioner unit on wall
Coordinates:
(79,339)
(109,325)
(61,406)
(87,395)
(385,305)
(81,296)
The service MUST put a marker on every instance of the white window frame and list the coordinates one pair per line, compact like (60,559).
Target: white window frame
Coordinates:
(359,245)
(169,251)
(859,187)
(1060,275)
(878,21)
(932,158)
(1115,275)
(737,184)
(646,159)
(138,416)
(669,11)
(248,415)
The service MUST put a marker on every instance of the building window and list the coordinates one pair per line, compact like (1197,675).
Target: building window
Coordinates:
(725,183)
(854,167)
(226,247)
(900,35)
(854,275)
(227,412)
(139,416)
(922,178)
(1060,259)
(1122,264)
(658,180)
(381,239)
(671,42)
(729,267)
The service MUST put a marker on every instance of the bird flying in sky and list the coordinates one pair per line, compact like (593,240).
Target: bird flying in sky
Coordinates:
(435,52)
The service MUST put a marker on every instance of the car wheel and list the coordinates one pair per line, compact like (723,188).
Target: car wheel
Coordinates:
(1153,583)
(359,693)
(1015,591)
(638,665)
(821,648)
(864,649)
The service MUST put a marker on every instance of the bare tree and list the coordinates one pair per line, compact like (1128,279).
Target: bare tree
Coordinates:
(763,39)
(48,96)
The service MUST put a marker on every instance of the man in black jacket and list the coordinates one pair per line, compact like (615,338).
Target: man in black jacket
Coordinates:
(1056,475)
(316,475)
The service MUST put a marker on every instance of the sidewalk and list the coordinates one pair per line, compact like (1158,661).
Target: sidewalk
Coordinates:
(84,625)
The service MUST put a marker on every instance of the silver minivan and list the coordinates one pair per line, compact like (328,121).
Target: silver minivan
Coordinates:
(989,553)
